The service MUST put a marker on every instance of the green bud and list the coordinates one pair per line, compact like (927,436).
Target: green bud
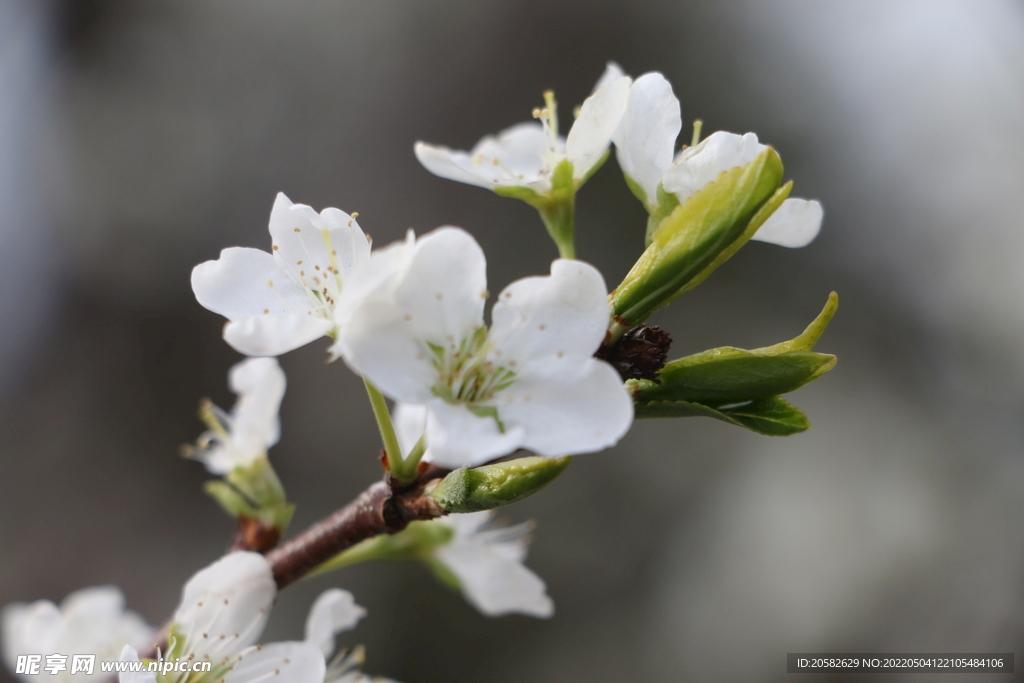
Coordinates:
(699,235)
(254,491)
(492,486)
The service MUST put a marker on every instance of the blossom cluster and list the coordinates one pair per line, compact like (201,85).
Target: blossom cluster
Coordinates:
(562,368)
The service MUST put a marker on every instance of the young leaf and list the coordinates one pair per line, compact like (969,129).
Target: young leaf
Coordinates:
(769,416)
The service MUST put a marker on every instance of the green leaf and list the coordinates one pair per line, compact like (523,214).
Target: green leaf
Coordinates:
(229,498)
(806,340)
(727,374)
(769,416)
(691,238)
(492,486)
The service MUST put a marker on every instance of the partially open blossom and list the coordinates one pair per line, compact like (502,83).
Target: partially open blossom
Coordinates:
(415,329)
(238,439)
(794,224)
(527,154)
(645,145)
(88,621)
(280,301)
(488,562)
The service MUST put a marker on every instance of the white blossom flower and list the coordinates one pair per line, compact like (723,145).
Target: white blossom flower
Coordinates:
(645,144)
(88,621)
(794,224)
(415,329)
(488,563)
(527,154)
(278,302)
(239,439)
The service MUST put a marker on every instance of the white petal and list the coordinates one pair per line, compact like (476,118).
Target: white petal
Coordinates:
(244,282)
(794,224)
(568,405)
(645,140)
(517,156)
(94,620)
(436,295)
(565,313)
(612,71)
(521,153)
(307,244)
(130,654)
(453,165)
(333,612)
(272,335)
(410,420)
(459,438)
(231,598)
(492,574)
(286,662)
(259,384)
(31,629)
(697,166)
(591,133)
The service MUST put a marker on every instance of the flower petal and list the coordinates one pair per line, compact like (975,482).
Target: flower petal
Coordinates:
(272,335)
(259,384)
(612,71)
(697,166)
(565,313)
(410,420)
(453,165)
(130,654)
(591,133)
(244,282)
(307,244)
(435,295)
(459,438)
(491,571)
(646,138)
(517,156)
(567,405)
(224,607)
(334,611)
(794,224)
(294,662)
(30,629)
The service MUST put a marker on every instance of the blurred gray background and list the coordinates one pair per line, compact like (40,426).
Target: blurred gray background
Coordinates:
(139,137)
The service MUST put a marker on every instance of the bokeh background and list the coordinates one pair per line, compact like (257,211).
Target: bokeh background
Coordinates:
(139,137)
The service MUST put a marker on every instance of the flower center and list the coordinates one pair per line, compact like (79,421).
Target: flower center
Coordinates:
(467,375)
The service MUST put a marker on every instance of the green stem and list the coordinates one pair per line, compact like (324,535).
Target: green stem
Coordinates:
(559,219)
(396,463)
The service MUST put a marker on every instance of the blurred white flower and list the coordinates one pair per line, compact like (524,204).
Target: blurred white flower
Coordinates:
(278,302)
(239,439)
(88,621)
(415,328)
(333,612)
(527,154)
(488,563)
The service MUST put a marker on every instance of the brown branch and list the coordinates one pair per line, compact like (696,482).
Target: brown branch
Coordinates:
(384,508)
